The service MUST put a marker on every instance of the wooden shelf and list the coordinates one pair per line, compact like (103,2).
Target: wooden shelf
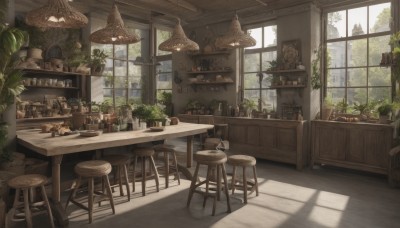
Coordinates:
(43,118)
(211,53)
(209,83)
(209,72)
(49,72)
(287,86)
(51,87)
(283,71)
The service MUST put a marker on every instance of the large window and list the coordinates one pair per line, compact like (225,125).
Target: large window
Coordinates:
(255,60)
(355,40)
(164,68)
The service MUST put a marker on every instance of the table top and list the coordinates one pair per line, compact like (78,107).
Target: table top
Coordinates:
(46,145)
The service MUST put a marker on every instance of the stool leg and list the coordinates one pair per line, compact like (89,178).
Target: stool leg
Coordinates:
(244,184)
(73,192)
(134,173)
(28,214)
(233,179)
(153,165)
(166,169)
(109,193)
(192,185)
(90,200)
(255,179)
(143,176)
(226,188)
(121,191)
(16,198)
(218,182)
(46,202)
(207,186)
(176,168)
(128,191)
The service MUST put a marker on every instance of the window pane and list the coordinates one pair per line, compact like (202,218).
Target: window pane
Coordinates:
(379,76)
(166,66)
(120,51)
(377,46)
(120,82)
(134,50)
(336,27)
(266,57)
(257,35)
(251,81)
(336,54)
(107,81)
(252,94)
(270,36)
(336,78)
(337,94)
(108,69)
(161,36)
(164,81)
(266,82)
(252,62)
(379,18)
(357,77)
(357,24)
(269,99)
(357,53)
(380,94)
(120,68)
(358,95)
(135,82)
(134,70)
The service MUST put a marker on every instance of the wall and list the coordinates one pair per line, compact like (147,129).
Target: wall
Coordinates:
(300,22)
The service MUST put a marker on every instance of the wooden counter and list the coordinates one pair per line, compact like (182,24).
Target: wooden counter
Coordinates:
(361,146)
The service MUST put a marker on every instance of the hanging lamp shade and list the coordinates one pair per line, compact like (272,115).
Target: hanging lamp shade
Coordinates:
(178,41)
(115,31)
(235,37)
(56,14)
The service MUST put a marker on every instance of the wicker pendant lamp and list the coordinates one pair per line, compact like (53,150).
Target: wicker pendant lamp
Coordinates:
(115,31)
(56,14)
(235,37)
(178,41)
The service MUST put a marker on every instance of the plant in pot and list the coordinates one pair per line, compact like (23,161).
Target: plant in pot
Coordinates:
(384,111)
(248,106)
(97,61)
(149,114)
(165,98)
(327,108)
(11,40)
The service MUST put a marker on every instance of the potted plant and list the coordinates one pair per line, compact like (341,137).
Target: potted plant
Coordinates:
(249,106)
(149,114)
(12,39)
(97,61)
(165,98)
(327,108)
(384,111)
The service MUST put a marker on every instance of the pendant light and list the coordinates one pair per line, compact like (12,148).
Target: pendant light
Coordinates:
(56,14)
(235,37)
(115,31)
(178,41)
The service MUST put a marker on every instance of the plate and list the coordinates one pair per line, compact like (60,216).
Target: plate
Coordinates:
(90,133)
(157,128)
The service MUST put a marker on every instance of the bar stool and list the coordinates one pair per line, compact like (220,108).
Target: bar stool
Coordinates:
(243,161)
(168,149)
(119,161)
(90,170)
(213,159)
(27,184)
(145,153)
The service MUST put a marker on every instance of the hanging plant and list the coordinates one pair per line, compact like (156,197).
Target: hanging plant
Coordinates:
(315,69)
(395,43)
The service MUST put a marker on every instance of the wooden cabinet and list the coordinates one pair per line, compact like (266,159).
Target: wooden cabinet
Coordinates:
(276,140)
(208,72)
(361,146)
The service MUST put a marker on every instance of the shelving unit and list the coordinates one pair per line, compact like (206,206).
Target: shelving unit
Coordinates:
(300,77)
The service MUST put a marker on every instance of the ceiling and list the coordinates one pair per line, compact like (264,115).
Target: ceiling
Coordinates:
(193,12)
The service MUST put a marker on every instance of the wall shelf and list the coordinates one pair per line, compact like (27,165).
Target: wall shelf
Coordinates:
(209,72)
(283,71)
(51,87)
(43,118)
(210,53)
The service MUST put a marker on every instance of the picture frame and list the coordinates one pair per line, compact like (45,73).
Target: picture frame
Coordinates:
(291,54)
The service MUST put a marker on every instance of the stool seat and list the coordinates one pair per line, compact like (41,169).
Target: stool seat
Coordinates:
(210,156)
(143,152)
(94,168)
(27,181)
(116,159)
(241,160)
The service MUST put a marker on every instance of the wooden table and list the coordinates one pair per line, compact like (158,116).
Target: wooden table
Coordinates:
(56,147)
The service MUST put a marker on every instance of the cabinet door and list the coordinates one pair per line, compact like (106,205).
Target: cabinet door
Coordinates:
(253,135)
(331,143)
(286,139)
(356,144)
(376,148)
(267,137)
(237,134)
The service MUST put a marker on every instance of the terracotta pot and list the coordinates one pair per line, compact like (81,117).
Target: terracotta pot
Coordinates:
(383,119)
(326,113)
(35,53)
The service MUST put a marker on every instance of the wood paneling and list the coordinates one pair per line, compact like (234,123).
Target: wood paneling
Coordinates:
(268,137)
(253,135)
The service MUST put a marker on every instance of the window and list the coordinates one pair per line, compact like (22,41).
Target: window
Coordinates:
(255,60)
(355,39)
(164,69)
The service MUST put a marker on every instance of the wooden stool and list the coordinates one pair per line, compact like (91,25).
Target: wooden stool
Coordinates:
(211,158)
(243,161)
(28,183)
(92,169)
(168,149)
(119,161)
(145,153)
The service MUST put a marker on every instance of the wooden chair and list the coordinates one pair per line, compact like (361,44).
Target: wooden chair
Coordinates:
(119,162)
(212,159)
(167,168)
(243,161)
(145,154)
(27,184)
(91,170)
(394,167)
